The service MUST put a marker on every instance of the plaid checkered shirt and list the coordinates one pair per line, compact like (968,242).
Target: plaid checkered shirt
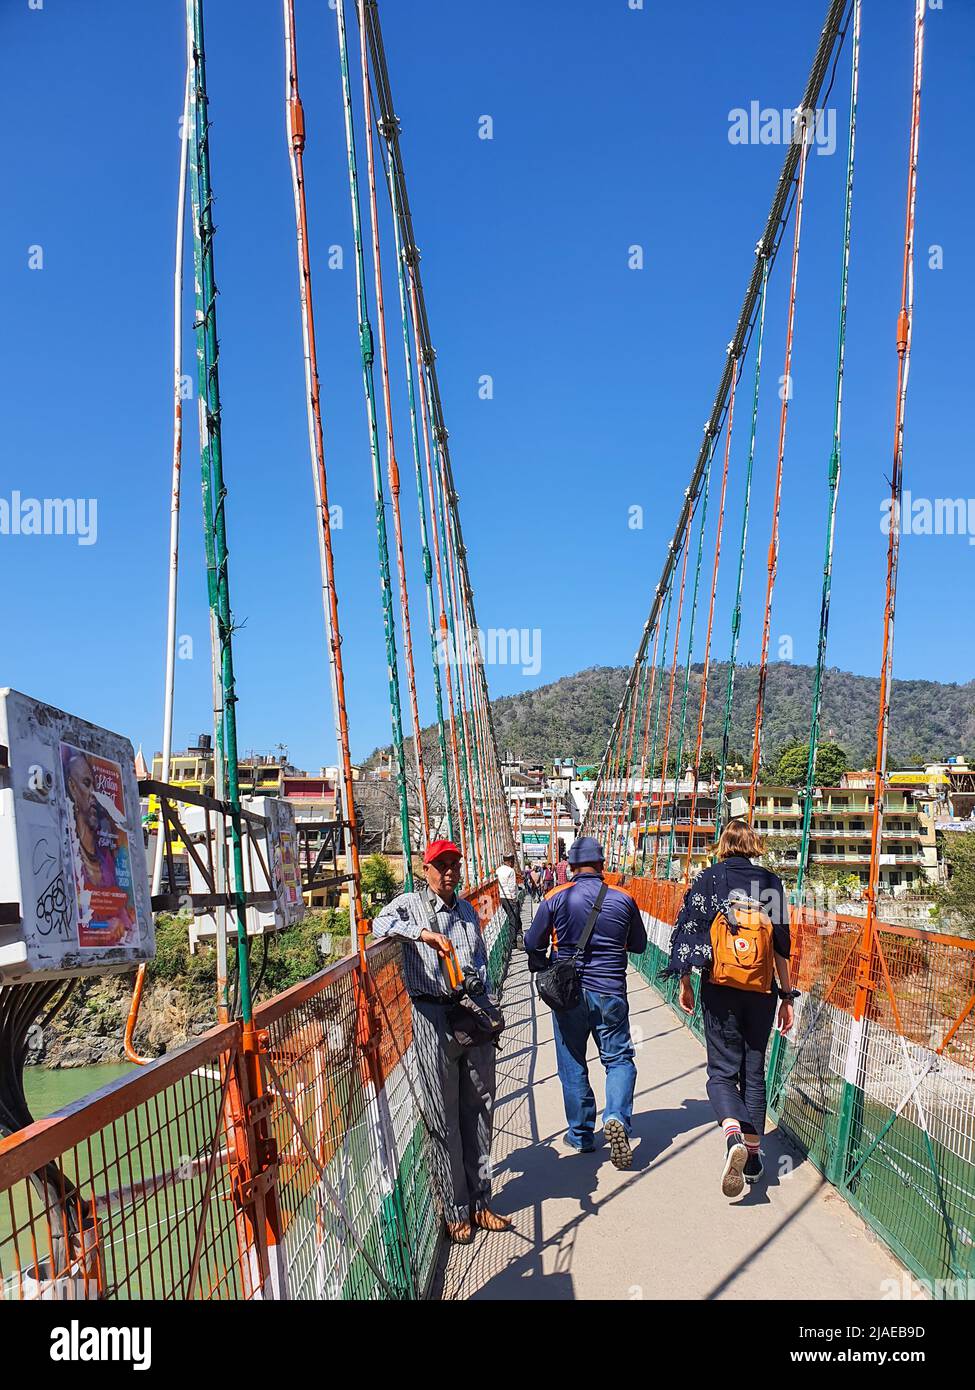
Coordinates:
(410,914)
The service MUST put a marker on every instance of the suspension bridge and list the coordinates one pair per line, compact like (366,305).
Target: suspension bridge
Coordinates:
(284,1154)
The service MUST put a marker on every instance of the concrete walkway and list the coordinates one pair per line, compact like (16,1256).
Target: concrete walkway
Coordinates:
(661,1230)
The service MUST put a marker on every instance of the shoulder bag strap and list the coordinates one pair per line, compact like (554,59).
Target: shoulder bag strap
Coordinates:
(729,910)
(583,941)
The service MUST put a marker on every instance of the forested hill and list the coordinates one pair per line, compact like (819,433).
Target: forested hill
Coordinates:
(572,716)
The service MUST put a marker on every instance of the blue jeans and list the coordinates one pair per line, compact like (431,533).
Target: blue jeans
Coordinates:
(607,1018)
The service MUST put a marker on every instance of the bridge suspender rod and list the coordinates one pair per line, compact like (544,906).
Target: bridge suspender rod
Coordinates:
(679,757)
(401,277)
(639,709)
(452,651)
(368,358)
(466,642)
(443,633)
(659,682)
(905,324)
(773,548)
(427,354)
(833,472)
(705,672)
(214,490)
(295,122)
(216,688)
(620,772)
(736,609)
(670,697)
(167,739)
(648,705)
(173,584)
(765,254)
(392,467)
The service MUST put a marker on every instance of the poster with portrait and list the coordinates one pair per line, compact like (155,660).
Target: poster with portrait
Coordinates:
(286,871)
(98,840)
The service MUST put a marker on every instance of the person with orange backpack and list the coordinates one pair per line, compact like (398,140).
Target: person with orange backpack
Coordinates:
(733,926)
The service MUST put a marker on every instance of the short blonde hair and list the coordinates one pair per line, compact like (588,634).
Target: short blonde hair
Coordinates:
(738,838)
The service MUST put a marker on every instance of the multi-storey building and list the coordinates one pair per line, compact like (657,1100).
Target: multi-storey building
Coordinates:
(257,774)
(840,830)
(660,828)
(542,821)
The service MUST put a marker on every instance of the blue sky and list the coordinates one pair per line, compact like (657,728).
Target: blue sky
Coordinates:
(610,129)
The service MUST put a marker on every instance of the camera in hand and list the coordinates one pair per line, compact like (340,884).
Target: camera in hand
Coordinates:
(473,984)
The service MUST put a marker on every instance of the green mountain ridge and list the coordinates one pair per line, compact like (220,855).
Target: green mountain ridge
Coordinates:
(571,717)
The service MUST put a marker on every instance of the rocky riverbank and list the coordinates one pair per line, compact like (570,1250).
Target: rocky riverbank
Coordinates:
(179,999)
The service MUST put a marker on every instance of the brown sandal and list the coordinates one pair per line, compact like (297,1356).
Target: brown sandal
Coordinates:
(491,1221)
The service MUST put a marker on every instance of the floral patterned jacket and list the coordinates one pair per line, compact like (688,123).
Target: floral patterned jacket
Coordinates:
(709,894)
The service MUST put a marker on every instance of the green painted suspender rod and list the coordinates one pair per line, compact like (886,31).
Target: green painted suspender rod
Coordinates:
(452,654)
(638,718)
(656,720)
(214,490)
(687,667)
(368,354)
(833,471)
(765,254)
(406,317)
(736,610)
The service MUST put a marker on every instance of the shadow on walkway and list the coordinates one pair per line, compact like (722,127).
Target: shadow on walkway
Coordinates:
(582,1229)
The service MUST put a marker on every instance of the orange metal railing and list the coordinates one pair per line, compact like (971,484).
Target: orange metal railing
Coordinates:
(299,1172)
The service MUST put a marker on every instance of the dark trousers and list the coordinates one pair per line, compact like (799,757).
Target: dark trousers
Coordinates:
(511,907)
(737,1026)
(457,1090)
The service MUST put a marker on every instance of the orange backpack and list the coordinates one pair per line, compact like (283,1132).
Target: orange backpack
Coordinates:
(741,947)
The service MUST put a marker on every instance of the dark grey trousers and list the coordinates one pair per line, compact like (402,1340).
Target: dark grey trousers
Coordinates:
(457,1090)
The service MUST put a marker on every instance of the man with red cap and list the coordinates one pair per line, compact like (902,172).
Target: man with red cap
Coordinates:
(457,1083)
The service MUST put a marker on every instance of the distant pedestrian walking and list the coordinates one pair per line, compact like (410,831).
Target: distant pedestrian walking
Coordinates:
(508,887)
(615,927)
(733,926)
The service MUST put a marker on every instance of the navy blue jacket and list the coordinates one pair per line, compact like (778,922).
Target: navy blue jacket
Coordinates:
(690,943)
(561,917)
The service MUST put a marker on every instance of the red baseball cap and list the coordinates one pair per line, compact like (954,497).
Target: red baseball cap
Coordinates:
(437,847)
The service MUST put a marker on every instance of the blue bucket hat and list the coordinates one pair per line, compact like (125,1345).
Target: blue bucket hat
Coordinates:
(585,850)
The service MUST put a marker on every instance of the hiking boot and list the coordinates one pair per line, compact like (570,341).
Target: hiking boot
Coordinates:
(732,1179)
(754,1168)
(620,1153)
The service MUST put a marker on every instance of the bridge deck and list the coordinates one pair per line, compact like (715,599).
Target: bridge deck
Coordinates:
(662,1230)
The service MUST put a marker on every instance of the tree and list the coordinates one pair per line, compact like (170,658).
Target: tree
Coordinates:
(955,900)
(780,855)
(793,761)
(379,883)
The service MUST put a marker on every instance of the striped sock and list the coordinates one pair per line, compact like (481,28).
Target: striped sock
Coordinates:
(752,1143)
(732,1129)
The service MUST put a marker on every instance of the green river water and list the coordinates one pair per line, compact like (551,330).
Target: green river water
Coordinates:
(47,1090)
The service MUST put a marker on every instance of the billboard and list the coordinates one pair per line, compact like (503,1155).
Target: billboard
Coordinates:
(74,891)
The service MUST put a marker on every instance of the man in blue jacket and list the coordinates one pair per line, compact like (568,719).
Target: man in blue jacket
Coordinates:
(603,1012)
